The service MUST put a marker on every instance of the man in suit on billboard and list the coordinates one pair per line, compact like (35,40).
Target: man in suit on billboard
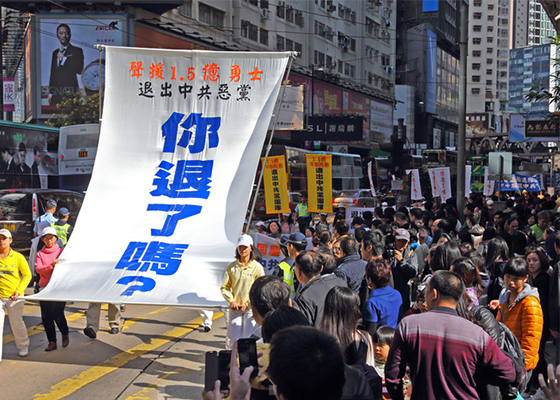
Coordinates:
(67,62)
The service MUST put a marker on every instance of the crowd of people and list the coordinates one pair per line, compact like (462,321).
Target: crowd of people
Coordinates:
(419,304)
(51,231)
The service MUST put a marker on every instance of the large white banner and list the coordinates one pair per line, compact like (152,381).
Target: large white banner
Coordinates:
(179,146)
(488,184)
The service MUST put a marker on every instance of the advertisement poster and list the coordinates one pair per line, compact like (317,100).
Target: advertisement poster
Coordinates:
(290,116)
(9,93)
(69,62)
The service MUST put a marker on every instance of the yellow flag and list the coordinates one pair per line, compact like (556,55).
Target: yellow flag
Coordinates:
(275,185)
(319,182)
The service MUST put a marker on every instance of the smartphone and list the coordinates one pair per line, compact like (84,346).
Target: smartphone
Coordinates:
(224,359)
(210,370)
(247,349)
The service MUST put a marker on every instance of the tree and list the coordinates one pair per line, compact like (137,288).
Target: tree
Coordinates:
(552,95)
(76,110)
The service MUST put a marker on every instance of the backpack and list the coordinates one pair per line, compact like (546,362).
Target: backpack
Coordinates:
(508,343)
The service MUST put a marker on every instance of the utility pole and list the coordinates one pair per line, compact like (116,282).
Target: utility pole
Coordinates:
(461,156)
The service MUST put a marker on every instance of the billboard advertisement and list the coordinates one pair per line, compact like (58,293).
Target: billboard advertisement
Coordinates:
(477,124)
(67,59)
(531,130)
(431,70)
(381,120)
(24,158)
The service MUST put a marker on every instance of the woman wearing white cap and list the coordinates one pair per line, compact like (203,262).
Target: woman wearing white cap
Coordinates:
(238,279)
(51,311)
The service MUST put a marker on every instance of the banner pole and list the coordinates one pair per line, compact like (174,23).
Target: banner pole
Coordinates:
(100,47)
(269,144)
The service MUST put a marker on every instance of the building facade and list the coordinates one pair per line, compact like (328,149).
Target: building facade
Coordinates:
(530,66)
(530,25)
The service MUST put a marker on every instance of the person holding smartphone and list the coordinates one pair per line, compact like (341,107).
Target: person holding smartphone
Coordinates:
(238,279)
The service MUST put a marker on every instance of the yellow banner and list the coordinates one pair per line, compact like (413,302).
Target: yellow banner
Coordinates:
(319,182)
(275,185)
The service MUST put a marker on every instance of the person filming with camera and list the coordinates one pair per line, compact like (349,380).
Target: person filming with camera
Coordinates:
(404,264)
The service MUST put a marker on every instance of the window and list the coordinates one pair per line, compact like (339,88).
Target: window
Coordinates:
(254,32)
(490,39)
(490,7)
(503,64)
(489,61)
(264,36)
(281,10)
(289,13)
(369,26)
(489,72)
(503,74)
(476,67)
(476,53)
(475,90)
(279,43)
(488,82)
(476,78)
(477,15)
(490,18)
(476,40)
(289,45)
(490,28)
(489,50)
(299,48)
(477,28)
(477,3)
(340,66)
(210,15)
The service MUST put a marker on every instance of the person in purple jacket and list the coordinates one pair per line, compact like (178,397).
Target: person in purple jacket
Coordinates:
(444,350)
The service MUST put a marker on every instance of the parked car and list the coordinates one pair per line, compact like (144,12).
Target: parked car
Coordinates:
(355,198)
(20,207)
(260,208)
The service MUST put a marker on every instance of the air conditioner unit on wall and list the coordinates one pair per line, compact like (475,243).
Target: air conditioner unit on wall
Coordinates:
(265,13)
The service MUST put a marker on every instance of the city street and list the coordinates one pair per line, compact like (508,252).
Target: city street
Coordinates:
(158,355)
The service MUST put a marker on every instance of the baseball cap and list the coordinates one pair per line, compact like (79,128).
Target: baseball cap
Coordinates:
(340,205)
(245,240)
(489,202)
(402,234)
(49,230)
(64,212)
(50,202)
(260,223)
(297,237)
(6,233)
(284,240)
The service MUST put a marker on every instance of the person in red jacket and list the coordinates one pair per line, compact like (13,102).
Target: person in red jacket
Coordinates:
(51,311)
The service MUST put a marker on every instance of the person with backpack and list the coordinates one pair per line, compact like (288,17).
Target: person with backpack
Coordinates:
(521,311)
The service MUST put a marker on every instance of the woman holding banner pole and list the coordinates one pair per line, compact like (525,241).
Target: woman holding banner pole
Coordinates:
(238,279)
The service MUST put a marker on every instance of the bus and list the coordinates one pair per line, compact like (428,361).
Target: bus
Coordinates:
(77,148)
(346,168)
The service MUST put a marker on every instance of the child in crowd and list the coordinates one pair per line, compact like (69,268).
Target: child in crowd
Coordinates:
(468,271)
(521,311)
(51,311)
(382,339)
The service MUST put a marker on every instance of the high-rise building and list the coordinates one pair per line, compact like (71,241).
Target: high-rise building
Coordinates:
(488,56)
(530,66)
(428,63)
(530,24)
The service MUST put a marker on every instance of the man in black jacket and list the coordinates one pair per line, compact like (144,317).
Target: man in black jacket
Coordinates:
(310,299)
(404,265)
(352,268)
(66,64)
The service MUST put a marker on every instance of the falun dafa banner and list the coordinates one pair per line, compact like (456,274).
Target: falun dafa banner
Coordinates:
(179,147)
(276,185)
(319,182)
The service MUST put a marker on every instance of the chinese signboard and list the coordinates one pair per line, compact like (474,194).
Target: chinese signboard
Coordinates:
(531,130)
(275,185)
(319,182)
(176,162)
(9,93)
(333,128)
